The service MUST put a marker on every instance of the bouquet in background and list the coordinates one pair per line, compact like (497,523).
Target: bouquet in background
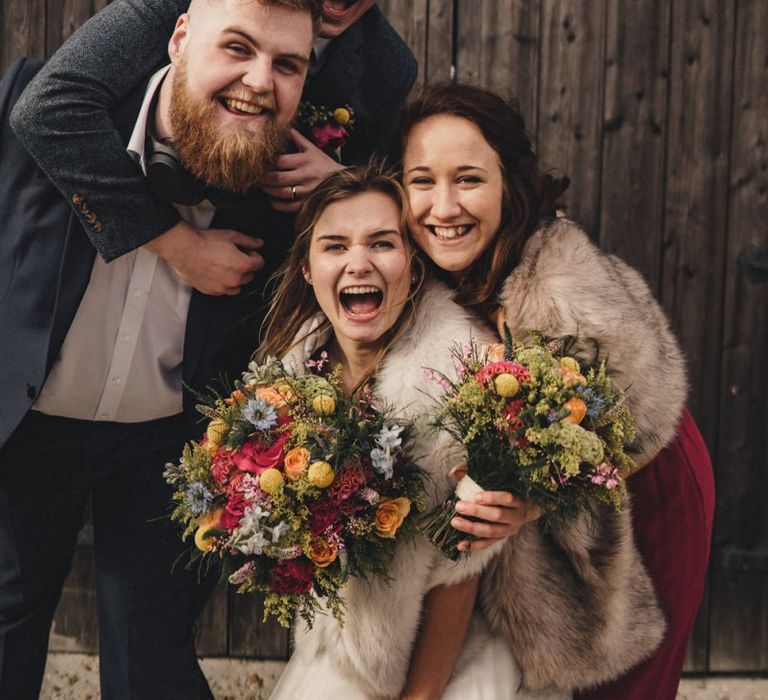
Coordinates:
(536,424)
(295,488)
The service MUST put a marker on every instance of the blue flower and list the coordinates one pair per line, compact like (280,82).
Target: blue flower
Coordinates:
(595,404)
(260,413)
(198,498)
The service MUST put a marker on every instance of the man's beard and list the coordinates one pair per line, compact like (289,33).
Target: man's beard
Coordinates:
(230,159)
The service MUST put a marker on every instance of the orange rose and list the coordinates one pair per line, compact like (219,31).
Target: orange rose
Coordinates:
(209,521)
(390,515)
(577,408)
(276,396)
(322,553)
(295,462)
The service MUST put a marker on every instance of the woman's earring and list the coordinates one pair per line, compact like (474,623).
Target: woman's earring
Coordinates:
(414,278)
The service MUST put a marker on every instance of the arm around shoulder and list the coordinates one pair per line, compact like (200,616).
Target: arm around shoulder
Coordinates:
(64,119)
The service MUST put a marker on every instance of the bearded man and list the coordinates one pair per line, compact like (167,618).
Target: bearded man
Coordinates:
(102,352)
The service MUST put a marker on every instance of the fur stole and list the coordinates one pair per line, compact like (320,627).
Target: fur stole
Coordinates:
(564,285)
(577,606)
(373,648)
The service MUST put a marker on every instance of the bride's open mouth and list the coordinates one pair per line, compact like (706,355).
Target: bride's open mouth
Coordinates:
(362,302)
(449,233)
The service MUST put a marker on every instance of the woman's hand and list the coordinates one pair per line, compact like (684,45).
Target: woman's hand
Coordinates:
(500,514)
(296,175)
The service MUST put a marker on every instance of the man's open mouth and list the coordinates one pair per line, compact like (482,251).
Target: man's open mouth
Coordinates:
(362,300)
(242,108)
(337,8)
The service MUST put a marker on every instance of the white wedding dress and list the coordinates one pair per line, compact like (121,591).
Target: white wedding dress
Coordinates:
(486,671)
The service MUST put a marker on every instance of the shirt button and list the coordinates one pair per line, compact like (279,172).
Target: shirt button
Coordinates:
(127,337)
(137,293)
(116,380)
(105,415)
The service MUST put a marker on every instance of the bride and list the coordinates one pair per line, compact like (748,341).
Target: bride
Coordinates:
(353,291)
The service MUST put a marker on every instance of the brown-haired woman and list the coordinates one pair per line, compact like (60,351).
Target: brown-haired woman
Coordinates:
(487,217)
(353,289)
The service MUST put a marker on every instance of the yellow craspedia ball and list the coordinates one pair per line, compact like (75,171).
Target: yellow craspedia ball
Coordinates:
(271,481)
(323,404)
(341,115)
(217,430)
(320,474)
(506,385)
(570,363)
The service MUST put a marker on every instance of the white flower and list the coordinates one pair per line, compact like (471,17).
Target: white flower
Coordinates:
(389,438)
(382,462)
(278,531)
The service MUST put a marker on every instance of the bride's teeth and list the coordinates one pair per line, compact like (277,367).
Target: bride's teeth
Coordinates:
(360,290)
(243,106)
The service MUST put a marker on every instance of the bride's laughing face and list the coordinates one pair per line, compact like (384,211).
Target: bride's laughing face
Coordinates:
(454,181)
(359,267)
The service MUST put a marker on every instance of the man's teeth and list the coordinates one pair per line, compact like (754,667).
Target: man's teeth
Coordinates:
(360,290)
(241,106)
(448,232)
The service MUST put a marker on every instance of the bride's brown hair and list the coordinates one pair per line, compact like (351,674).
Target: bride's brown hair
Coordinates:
(529,195)
(293,301)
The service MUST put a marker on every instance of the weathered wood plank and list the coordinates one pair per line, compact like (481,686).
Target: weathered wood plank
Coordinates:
(23,30)
(248,635)
(440,48)
(634,130)
(696,192)
(409,18)
(498,48)
(739,631)
(212,629)
(570,100)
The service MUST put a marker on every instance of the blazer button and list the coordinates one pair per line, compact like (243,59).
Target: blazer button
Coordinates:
(97,227)
(90,217)
(85,208)
(77,198)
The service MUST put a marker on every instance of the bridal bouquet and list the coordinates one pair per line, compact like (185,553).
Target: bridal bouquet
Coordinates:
(536,424)
(294,488)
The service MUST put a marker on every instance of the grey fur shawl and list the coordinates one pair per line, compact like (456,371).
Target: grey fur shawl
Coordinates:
(578,607)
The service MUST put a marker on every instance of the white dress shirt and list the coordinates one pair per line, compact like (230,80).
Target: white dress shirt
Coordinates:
(122,357)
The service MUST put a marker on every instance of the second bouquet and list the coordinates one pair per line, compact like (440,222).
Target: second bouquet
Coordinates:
(536,424)
(295,487)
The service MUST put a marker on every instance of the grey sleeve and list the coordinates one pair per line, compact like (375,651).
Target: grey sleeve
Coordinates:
(64,120)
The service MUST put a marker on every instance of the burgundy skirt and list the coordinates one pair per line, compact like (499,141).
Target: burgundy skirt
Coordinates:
(673,502)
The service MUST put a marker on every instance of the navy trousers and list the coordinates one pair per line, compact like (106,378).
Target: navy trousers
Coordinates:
(147,606)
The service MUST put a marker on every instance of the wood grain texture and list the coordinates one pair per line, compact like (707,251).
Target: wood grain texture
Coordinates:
(701,74)
(739,629)
(498,49)
(409,18)
(634,130)
(570,100)
(440,37)
(23,24)
(75,625)
(248,635)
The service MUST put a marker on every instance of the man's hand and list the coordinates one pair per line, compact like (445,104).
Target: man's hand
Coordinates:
(213,261)
(296,175)
(501,515)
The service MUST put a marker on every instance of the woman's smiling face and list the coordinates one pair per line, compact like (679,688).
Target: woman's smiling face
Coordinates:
(455,186)
(359,267)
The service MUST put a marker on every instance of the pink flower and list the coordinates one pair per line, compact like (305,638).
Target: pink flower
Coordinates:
(494,369)
(222,466)
(254,456)
(233,512)
(329,135)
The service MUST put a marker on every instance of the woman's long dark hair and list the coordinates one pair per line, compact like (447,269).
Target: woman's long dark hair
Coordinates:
(529,194)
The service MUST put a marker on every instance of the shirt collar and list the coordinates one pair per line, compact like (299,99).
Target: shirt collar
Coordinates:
(136,144)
